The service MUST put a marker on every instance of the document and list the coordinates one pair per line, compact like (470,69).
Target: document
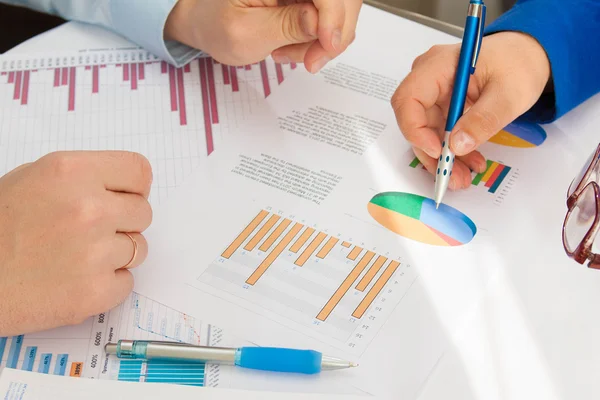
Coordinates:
(21,385)
(127,99)
(315,227)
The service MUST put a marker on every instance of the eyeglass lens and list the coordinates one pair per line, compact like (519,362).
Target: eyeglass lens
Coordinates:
(581,219)
(579,177)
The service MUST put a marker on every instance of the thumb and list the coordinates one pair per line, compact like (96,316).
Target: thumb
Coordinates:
(495,108)
(286,25)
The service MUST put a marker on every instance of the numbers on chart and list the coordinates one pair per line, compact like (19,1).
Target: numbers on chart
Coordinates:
(98,339)
(101,318)
(94,361)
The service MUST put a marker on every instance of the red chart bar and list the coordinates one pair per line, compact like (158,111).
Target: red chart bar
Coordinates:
(134,80)
(163,67)
(173,87)
(125,72)
(11,77)
(212,91)
(248,67)
(495,175)
(225,70)
(56,77)
(279,71)
(72,89)
(65,76)
(293,65)
(180,90)
(3,73)
(25,94)
(205,100)
(87,67)
(187,68)
(142,71)
(234,80)
(95,79)
(265,78)
(17,91)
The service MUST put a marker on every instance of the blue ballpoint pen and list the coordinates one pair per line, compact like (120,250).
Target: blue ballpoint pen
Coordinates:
(260,358)
(469,52)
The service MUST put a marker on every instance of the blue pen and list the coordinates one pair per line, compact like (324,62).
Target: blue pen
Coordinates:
(261,358)
(469,51)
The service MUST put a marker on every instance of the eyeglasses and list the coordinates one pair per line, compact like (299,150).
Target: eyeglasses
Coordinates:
(582,222)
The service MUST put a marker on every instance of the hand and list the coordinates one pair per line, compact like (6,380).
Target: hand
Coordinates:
(512,72)
(238,32)
(61,246)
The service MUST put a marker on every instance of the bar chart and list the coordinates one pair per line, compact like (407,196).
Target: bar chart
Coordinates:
(125,100)
(78,351)
(326,283)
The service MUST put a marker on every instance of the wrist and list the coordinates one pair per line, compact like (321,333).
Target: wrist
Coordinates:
(176,28)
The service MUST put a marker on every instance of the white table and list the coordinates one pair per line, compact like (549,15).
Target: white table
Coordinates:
(535,335)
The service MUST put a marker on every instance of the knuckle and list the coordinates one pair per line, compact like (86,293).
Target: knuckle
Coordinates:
(144,167)
(484,122)
(62,164)
(87,212)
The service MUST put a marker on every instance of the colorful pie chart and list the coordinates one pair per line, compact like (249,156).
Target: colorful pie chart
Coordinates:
(415,217)
(520,134)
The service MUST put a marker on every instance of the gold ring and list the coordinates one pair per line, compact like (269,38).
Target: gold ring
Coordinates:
(135,250)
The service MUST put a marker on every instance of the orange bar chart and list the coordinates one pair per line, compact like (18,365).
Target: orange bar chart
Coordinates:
(310,249)
(244,235)
(267,262)
(354,253)
(76,369)
(366,280)
(275,235)
(301,240)
(375,290)
(345,286)
(261,233)
(327,248)
(346,244)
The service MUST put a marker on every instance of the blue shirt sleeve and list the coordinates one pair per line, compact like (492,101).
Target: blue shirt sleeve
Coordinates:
(569,31)
(140,21)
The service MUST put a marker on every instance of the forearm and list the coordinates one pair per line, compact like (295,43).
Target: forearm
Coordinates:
(140,21)
(569,32)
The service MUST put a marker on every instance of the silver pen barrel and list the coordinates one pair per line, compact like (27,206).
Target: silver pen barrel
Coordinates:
(172,351)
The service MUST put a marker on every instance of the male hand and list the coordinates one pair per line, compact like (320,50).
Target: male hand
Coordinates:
(62,246)
(238,32)
(512,72)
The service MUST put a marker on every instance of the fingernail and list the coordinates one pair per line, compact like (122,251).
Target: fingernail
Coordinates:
(281,59)
(306,26)
(431,152)
(336,39)
(320,63)
(463,143)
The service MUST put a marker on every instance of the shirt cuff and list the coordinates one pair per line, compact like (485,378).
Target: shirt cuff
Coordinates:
(143,22)
(533,18)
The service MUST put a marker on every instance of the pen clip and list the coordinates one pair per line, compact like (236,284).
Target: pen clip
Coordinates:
(480,29)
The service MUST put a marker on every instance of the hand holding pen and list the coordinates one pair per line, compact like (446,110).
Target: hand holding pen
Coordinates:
(511,74)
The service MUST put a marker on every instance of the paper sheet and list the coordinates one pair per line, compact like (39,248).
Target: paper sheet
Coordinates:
(20,385)
(330,165)
(127,100)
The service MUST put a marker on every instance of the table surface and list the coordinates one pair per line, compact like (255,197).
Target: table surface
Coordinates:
(540,325)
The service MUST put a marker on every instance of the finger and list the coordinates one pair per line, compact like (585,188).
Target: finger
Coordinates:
(332,16)
(291,53)
(277,27)
(460,177)
(129,212)
(457,177)
(417,93)
(474,161)
(494,109)
(122,252)
(121,171)
(110,291)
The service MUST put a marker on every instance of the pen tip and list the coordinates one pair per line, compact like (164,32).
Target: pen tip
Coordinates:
(353,364)
(437,205)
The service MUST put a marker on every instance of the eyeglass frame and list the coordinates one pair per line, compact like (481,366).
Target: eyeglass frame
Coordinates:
(583,251)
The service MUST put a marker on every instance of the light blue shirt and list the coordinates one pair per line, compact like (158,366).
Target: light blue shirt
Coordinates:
(140,21)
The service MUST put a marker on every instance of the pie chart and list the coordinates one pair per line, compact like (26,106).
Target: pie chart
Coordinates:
(415,217)
(520,134)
